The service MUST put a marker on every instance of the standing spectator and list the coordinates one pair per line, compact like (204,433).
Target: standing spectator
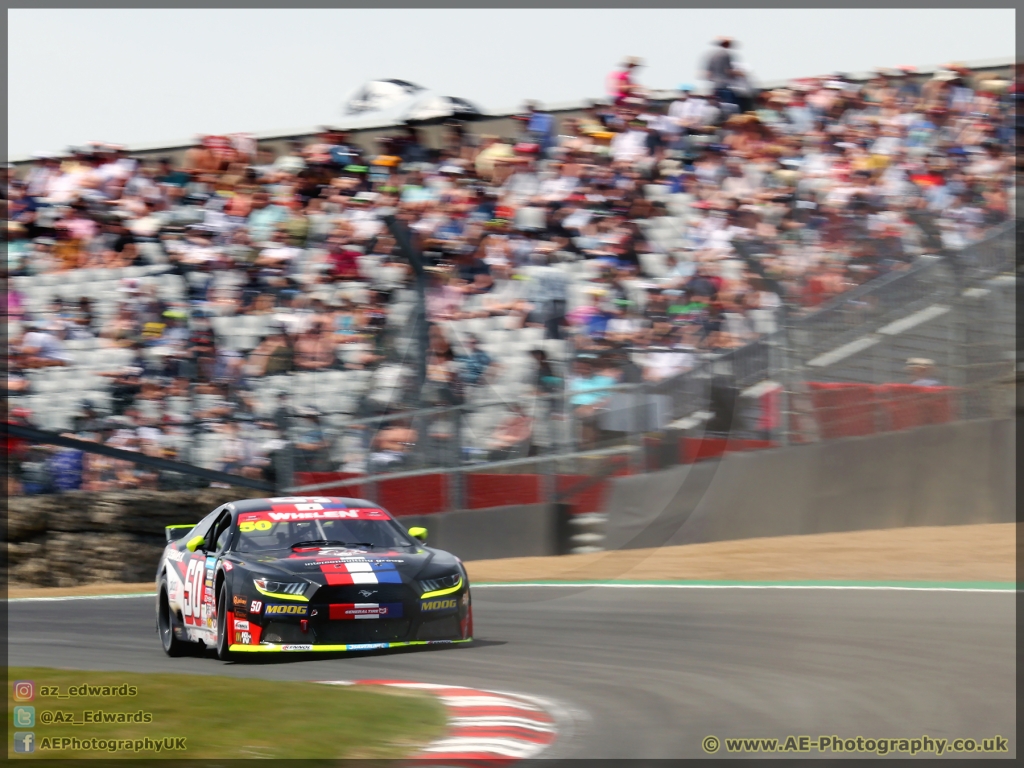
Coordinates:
(920,370)
(720,70)
(621,83)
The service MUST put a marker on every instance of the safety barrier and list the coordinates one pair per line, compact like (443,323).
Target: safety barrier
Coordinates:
(855,410)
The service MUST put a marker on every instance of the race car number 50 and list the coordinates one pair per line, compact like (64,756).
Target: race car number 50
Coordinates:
(260,525)
(194,586)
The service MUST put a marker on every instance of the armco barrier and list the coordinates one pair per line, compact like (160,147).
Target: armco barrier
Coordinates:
(948,474)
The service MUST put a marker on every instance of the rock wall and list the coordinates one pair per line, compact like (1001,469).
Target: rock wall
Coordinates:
(65,540)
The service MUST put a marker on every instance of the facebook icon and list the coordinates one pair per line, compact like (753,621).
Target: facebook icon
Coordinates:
(24,741)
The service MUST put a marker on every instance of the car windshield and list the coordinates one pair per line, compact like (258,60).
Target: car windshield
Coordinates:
(262,533)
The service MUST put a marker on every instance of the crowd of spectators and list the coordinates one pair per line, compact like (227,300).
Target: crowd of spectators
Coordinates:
(643,234)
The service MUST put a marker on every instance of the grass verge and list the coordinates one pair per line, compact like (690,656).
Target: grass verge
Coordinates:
(219,717)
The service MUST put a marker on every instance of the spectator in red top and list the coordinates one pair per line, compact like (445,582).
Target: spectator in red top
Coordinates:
(620,84)
(344,260)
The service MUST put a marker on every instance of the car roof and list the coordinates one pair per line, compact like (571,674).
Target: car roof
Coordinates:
(261,505)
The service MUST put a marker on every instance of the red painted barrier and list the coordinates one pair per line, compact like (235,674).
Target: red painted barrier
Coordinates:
(315,478)
(422,495)
(693,449)
(590,497)
(907,406)
(844,410)
(485,490)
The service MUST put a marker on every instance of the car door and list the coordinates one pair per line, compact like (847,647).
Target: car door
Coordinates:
(200,601)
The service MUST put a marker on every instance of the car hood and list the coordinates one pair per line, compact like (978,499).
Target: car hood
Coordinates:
(313,564)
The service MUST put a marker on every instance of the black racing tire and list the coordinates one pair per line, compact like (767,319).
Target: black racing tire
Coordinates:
(223,609)
(165,623)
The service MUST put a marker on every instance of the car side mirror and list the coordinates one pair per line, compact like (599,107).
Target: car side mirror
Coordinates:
(419,533)
(175,532)
(195,543)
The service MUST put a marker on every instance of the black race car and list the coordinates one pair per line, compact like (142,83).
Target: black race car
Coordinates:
(307,574)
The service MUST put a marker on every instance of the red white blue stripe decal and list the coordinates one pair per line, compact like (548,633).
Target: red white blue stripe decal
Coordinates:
(485,728)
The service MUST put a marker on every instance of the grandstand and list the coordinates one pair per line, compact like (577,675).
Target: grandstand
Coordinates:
(662,268)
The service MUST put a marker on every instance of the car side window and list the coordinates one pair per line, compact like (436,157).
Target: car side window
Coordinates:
(203,527)
(221,532)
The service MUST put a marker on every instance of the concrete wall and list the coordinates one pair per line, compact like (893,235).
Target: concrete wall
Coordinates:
(484,534)
(950,474)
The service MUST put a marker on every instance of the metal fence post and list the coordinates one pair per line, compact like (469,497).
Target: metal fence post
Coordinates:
(284,466)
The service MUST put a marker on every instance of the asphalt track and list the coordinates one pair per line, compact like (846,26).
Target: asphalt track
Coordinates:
(648,673)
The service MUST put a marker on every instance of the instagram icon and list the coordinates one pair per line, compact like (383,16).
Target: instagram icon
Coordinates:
(24,690)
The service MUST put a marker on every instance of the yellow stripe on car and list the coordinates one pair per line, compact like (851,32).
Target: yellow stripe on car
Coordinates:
(291,648)
(439,592)
(281,595)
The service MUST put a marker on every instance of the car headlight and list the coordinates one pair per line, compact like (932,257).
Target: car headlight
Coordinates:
(440,583)
(280,587)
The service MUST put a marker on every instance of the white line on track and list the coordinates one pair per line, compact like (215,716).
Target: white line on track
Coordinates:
(895,588)
(63,598)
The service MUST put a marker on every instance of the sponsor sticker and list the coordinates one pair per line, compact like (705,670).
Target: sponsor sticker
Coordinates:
(439,605)
(255,606)
(175,555)
(285,610)
(296,647)
(366,610)
(241,625)
(367,646)
(243,638)
(227,565)
(311,511)
(238,600)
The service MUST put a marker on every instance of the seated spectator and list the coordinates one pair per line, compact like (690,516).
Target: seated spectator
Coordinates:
(314,350)
(476,363)
(443,298)
(273,356)
(546,380)
(511,438)
(589,393)
(392,446)
(41,346)
(312,449)
(344,260)
(665,357)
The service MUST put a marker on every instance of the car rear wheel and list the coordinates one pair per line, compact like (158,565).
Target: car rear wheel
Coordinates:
(165,623)
(223,638)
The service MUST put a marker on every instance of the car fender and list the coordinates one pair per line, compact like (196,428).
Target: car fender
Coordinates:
(175,589)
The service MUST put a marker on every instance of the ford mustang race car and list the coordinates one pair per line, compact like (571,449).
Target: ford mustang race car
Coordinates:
(306,574)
